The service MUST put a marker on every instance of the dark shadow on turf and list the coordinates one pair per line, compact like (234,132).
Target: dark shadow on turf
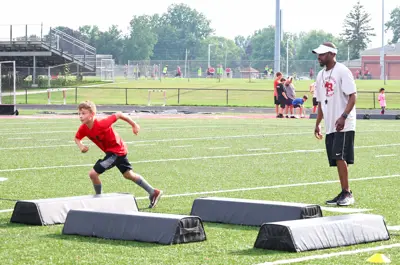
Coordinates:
(231,226)
(257,252)
(113,242)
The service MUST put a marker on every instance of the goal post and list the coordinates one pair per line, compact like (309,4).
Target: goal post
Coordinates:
(107,70)
(8,88)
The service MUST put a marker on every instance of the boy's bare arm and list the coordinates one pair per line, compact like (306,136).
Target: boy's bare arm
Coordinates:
(124,117)
(81,146)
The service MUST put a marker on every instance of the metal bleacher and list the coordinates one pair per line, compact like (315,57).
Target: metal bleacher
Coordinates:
(49,48)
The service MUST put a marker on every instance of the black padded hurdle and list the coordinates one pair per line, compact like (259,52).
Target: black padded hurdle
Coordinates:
(322,233)
(251,212)
(54,210)
(136,226)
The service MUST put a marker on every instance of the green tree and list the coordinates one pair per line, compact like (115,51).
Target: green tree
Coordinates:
(357,31)
(243,43)
(222,50)
(180,28)
(140,43)
(262,44)
(308,41)
(90,33)
(394,25)
(112,42)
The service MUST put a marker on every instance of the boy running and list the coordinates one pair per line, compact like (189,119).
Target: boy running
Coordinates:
(101,132)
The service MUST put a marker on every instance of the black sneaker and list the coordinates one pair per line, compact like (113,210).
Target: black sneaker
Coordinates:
(346,199)
(334,200)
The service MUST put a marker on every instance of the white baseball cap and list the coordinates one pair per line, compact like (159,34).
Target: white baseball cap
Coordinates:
(324,49)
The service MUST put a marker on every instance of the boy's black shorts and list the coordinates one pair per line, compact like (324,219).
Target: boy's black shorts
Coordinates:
(282,102)
(340,146)
(314,102)
(276,101)
(111,160)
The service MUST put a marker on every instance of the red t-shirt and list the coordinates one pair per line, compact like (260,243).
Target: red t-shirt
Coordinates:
(276,83)
(104,136)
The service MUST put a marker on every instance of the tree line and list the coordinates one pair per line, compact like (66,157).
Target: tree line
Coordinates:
(182,31)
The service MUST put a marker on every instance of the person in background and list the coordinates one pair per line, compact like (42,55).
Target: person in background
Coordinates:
(382,100)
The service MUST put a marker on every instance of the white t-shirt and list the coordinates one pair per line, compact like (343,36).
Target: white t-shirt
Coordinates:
(333,88)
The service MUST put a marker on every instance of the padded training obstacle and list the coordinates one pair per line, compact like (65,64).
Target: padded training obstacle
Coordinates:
(251,212)
(321,233)
(137,226)
(54,211)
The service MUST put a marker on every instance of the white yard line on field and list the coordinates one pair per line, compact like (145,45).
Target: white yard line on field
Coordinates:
(36,132)
(386,155)
(272,187)
(344,210)
(259,149)
(178,159)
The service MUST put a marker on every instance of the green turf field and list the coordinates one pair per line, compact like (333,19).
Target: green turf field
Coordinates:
(212,92)
(180,156)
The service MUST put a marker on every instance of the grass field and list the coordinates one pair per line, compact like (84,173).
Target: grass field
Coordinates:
(181,156)
(233,92)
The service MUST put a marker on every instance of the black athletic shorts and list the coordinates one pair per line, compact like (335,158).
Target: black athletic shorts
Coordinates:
(314,102)
(276,101)
(111,160)
(282,102)
(340,146)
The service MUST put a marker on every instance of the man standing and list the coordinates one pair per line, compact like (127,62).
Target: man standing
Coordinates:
(336,96)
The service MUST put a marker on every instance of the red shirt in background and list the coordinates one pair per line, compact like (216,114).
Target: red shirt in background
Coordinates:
(276,83)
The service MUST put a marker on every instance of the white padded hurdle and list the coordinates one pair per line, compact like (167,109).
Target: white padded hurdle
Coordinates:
(157,90)
(64,93)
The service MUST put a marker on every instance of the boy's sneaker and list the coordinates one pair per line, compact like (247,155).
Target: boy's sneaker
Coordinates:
(346,199)
(155,198)
(334,200)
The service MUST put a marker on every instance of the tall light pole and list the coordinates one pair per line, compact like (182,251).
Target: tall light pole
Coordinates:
(209,54)
(277,55)
(287,56)
(382,59)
